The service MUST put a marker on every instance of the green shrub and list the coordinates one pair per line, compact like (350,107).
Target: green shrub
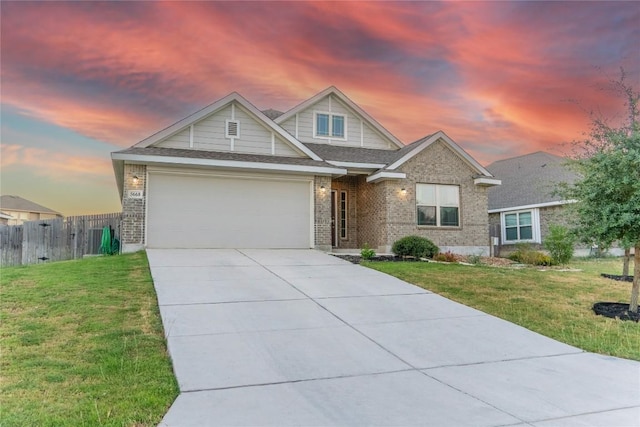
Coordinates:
(525,255)
(367,253)
(559,243)
(415,246)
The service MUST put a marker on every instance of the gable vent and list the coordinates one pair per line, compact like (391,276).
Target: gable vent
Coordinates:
(232,129)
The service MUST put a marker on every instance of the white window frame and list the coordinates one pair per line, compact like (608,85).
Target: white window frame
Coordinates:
(535,226)
(438,206)
(331,136)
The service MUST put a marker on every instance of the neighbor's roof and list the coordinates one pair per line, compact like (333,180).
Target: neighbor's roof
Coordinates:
(527,180)
(17,203)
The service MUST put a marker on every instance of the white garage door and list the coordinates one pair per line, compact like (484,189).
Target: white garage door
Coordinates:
(248,211)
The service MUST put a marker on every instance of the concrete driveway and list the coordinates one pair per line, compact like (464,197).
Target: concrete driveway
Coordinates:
(298,337)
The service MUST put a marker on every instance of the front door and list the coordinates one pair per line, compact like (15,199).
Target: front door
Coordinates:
(334,206)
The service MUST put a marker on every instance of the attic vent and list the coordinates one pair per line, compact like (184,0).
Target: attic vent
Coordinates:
(233,129)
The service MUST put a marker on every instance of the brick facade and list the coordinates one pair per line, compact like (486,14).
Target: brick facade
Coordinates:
(322,212)
(382,213)
(378,214)
(438,164)
(133,210)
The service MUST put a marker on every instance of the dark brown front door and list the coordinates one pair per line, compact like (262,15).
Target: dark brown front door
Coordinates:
(334,205)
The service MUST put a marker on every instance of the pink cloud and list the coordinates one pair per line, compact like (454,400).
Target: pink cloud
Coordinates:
(55,165)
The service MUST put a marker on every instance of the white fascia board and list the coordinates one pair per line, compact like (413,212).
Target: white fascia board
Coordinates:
(487,182)
(433,138)
(187,121)
(533,206)
(218,105)
(353,165)
(332,90)
(232,164)
(384,175)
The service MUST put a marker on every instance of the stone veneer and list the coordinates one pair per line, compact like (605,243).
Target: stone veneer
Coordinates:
(133,210)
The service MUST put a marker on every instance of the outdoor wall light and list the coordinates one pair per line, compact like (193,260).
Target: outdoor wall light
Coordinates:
(135,180)
(403,191)
(322,188)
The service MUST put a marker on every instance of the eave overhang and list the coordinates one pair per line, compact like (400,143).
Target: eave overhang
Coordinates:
(486,182)
(385,176)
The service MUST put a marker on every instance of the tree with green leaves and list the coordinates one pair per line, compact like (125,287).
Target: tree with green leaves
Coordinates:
(607,195)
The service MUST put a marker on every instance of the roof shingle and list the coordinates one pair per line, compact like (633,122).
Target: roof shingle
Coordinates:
(528,180)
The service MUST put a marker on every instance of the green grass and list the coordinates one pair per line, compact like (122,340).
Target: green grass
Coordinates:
(82,345)
(553,303)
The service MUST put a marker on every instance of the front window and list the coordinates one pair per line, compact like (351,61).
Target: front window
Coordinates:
(518,226)
(329,125)
(438,205)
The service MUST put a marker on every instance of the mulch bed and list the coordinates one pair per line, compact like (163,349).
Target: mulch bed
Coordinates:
(619,278)
(490,261)
(615,310)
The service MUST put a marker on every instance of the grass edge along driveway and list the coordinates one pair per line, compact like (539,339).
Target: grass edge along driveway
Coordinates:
(82,344)
(554,303)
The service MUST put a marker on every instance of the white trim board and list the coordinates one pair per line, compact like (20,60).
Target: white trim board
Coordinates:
(532,206)
(232,164)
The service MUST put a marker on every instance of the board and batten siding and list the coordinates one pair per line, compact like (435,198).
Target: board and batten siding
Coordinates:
(209,135)
(359,132)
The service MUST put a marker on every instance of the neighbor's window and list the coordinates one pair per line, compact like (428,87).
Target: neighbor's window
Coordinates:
(518,226)
(330,125)
(438,205)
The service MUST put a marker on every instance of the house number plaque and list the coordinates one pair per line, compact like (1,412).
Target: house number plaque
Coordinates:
(135,194)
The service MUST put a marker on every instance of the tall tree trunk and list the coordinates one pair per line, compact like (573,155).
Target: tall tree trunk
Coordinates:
(625,261)
(635,289)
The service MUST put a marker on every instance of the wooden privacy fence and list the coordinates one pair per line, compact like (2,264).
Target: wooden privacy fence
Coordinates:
(55,239)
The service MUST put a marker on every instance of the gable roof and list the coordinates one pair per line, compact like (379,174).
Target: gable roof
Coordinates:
(528,180)
(17,203)
(416,147)
(332,90)
(217,106)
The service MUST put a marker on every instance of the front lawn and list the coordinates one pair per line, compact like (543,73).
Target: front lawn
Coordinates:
(82,345)
(553,303)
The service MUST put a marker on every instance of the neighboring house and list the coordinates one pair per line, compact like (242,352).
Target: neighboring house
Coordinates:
(20,210)
(524,206)
(5,218)
(322,175)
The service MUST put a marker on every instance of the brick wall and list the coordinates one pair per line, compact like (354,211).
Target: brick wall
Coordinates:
(371,214)
(322,211)
(133,210)
(438,164)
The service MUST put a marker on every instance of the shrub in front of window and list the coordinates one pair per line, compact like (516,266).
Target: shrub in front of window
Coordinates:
(415,246)
(525,255)
(559,243)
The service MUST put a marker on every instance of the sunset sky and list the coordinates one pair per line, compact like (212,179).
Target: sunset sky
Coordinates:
(80,80)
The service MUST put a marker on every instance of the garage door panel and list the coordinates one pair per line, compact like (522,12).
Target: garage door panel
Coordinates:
(223,212)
